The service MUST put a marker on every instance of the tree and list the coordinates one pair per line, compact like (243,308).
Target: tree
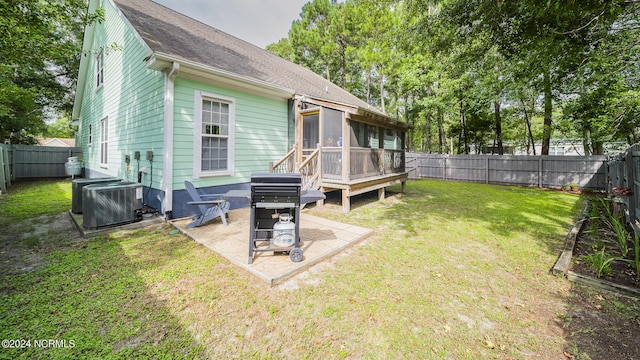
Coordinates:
(61,128)
(466,72)
(40,48)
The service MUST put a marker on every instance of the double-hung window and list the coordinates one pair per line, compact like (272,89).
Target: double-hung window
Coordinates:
(100,69)
(214,134)
(104,140)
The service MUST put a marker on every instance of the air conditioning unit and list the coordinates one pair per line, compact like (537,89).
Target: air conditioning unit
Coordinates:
(111,204)
(76,190)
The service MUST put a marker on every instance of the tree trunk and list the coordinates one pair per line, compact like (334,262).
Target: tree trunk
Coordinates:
(528,122)
(441,140)
(586,144)
(410,122)
(496,110)
(546,127)
(382,93)
(464,131)
(598,148)
(369,86)
(428,133)
(344,68)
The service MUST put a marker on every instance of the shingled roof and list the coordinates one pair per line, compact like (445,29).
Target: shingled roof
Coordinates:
(175,35)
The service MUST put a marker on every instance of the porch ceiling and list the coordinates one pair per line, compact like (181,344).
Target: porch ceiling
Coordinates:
(373,118)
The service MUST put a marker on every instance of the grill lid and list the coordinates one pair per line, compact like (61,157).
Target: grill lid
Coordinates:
(276,179)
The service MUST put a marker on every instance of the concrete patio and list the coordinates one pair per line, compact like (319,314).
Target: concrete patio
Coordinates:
(321,239)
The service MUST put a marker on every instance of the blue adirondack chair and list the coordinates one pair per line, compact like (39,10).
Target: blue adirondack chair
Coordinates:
(211,206)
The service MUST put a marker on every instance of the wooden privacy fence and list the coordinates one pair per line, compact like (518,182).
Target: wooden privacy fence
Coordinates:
(5,168)
(624,172)
(542,171)
(28,161)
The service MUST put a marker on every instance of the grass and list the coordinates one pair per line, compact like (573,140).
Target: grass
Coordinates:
(455,270)
(29,199)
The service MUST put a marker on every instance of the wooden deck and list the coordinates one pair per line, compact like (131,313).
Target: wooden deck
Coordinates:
(325,170)
(361,186)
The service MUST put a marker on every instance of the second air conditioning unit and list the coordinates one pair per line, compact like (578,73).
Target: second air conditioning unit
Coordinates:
(76,190)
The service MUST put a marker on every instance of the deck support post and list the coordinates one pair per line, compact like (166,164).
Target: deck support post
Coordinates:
(404,187)
(381,194)
(346,201)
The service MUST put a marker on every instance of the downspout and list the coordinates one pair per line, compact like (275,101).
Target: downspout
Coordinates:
(167,176)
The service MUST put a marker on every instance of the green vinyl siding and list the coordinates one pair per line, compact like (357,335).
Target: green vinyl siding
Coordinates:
(132,97)
(260,133)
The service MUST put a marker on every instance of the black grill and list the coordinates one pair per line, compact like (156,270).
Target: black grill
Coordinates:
(272,195)
(275,190)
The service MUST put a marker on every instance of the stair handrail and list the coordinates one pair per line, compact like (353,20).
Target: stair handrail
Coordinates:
(309,169)
(288,161)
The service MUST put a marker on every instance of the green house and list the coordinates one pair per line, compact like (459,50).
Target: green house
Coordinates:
(163,98)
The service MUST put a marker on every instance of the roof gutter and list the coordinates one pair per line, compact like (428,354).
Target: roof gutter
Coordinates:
(161,61)
(167,176)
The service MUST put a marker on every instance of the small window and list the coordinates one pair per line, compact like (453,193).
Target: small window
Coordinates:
(100,69)
(214,123)
(104,141)
(90,135)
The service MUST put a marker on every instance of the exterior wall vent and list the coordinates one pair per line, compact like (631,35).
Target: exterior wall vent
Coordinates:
(111,204)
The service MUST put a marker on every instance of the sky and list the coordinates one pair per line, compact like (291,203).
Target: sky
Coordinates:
(260,22)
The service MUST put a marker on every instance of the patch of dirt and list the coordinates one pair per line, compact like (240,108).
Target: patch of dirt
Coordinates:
(596,234)
(601,324)
(24,245)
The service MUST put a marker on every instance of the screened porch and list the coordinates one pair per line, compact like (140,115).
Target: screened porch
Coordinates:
(336,149)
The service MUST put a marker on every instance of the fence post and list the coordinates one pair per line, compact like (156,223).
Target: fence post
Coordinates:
(628,161)
(540,171)
(486,175)
(14,155)
(3,164)
(606,175)
(444,167)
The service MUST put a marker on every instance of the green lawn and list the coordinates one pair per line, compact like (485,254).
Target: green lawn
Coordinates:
(454,270)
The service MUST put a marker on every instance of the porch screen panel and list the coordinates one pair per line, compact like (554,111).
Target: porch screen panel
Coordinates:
(310,131)
(357,133)
(332,128)
(291,124)
(392,139)
(215,135)
(372,135)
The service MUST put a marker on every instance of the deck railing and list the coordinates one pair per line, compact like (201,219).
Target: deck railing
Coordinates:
(309,171)
(394,161)
(286,165)
(365,162)
(332,163)
(325,163)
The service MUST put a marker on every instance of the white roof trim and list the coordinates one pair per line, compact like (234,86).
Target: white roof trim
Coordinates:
(161,61)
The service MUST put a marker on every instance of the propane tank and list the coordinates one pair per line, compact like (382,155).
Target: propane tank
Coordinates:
(284,231)
(73,166)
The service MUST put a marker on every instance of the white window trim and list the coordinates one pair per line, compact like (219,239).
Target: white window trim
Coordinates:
(100,69)
(104,140)
(197,135)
